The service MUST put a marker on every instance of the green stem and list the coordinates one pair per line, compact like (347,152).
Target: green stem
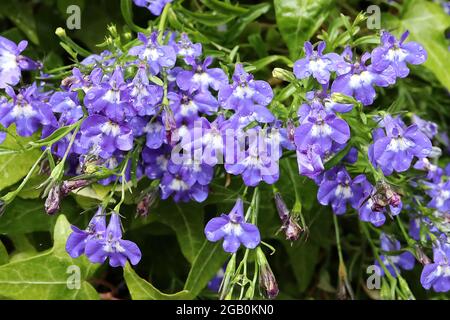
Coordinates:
(162,22)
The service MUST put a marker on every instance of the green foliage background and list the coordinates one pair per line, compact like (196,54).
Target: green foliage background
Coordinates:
(177,260)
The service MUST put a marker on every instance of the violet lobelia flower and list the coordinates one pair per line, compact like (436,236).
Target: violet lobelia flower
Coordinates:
(201,77)
(396,53)
(341,189)
(434,173)
(393,263)
(155,161)
(68,105)
(111,97)
(12,62)
(187,104)
(440,195)
(188,50)
(245,93)
(436,275)
(26,110)
(156,55)
(145,97)
(430,129)
(309,160)
(182,187)
(323,129)
(256,160)
(76,243)
(155,6)
(233,229)
(105,136)
(112,246)
(395,148)
(319,65)
(360,81)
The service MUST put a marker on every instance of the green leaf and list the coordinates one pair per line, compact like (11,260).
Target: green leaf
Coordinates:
(126,7)
(22,16)
(298,20)
(23,216)
(141,289)
(208,19)
(15,166)
(3,254)
(223,7)
(55,136)
(48,275)
(303,258)
(427,22)
(208,261)
(187,222)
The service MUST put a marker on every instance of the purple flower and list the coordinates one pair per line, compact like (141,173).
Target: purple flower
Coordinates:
(12,62)
(26,110)
(105,136)
(76,243)
(404,260)
(112,246)
(319,65)
(341,189)
(201,77)
(68,105)
(155,6)
(111,97)
(188,50)
(440,195)
(322,129)
(430,129)
(436,275)
(145,97)
(396,54)
(320,99)
(434,173)
(182,187)
(156,161)
(187,105)
(310,162)
(396,146)
(156,55)
(360,82)
(233,229)
(245,93)
(370,209)
(257,161)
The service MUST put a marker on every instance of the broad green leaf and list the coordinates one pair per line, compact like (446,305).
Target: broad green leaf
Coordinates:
(208,19)
(426,21)
(48,275)
(298,20)
(141,289)
(15,166)
(187,222)
(22,16)
(303,259)
(210,258)
(3,254)
(240,25)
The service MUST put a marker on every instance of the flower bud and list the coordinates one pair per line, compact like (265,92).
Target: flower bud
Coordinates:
(421,256)
(290,127)
(267,281)
(395,200)
(53,200)
(71,185)
(282,209)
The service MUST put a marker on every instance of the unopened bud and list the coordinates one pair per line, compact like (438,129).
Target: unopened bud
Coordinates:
(421,256)
(71,185)
(53,200)
(290,130)
(267,281)
(282,209)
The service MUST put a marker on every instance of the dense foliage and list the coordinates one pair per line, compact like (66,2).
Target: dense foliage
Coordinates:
(214,149)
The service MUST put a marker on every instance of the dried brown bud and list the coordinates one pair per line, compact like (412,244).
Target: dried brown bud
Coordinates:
(71,185)
(53,200)
(268,283)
